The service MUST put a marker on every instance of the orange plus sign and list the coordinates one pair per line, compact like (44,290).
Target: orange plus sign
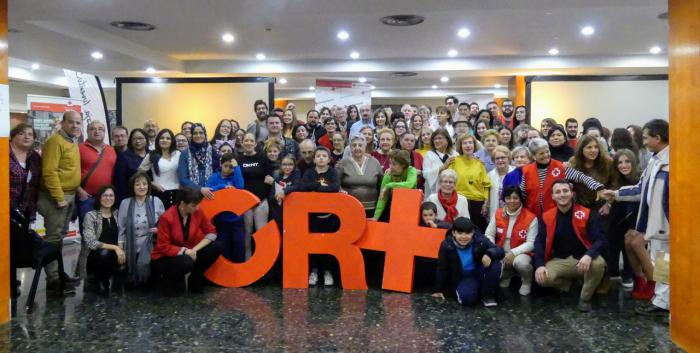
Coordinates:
(402,239)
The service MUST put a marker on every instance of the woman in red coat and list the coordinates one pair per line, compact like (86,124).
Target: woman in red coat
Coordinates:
(185,243)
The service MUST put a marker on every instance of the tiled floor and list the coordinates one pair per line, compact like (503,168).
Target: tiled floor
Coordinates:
(266,318)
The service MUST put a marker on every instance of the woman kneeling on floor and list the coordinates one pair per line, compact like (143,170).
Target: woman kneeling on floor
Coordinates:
(185,244)
(468,266)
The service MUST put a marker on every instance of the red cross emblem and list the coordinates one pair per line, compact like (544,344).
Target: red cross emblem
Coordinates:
(579,214)
(556,172)
(522,234)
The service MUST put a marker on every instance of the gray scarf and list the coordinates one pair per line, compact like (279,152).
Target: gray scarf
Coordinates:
(139,260)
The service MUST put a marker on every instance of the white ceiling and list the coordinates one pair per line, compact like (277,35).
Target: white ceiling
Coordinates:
(507,37)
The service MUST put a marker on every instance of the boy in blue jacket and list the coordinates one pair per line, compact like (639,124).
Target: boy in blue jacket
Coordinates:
(230,227)
(468,266)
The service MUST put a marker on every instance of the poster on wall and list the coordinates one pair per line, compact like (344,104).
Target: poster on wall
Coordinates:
(342,93)
(87,89)
(46,112)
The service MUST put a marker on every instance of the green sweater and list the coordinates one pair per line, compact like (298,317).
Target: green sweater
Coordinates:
(60,165)
(407,181)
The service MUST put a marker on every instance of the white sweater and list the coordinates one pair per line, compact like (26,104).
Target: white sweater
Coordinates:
(462,206)
(527,246)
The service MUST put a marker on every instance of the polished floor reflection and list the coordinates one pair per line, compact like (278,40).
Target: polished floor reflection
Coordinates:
(265,318)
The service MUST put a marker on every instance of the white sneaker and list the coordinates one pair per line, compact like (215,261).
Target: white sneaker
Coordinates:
(525,289)
(313,277)
(489,302)
(327,278)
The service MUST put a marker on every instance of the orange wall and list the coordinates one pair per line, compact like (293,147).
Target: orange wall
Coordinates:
(684,85)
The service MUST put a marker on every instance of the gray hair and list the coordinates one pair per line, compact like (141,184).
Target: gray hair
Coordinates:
(447,173)
(519,149)
(537,144)
(358,137)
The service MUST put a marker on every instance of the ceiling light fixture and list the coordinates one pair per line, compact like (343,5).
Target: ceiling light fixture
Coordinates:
(372,87)
(260,56)
(35,66)
(362,80)
(97,55)
(587,30)
(498,85)
(354,55)
(655,49)
(228,37)
(311,88)
(444,79)
(343,35)
(463,33)
(283,81)
(452,53)
(434,86)
(150,70)
(553,51)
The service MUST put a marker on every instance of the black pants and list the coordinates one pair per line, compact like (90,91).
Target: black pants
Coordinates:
(321,223)
(103,264)
(475,214)
(168,197)
(173,269)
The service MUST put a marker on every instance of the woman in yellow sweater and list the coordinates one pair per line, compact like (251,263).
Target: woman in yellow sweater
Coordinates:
(472,180)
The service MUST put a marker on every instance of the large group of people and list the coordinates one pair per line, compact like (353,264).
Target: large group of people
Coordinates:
(549,206)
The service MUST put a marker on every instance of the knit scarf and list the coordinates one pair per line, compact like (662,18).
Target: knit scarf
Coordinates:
(139,260)
(200,159)
(449,204)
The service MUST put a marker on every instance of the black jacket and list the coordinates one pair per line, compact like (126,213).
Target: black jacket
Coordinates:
(449,266)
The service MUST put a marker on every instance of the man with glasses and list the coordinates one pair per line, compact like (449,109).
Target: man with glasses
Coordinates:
(507,110)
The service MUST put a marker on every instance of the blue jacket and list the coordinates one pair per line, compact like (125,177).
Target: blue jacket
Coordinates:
(449,266)
(513,178)
(217,182)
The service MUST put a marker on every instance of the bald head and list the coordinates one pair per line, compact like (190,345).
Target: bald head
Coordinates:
(306,149)
(72,122)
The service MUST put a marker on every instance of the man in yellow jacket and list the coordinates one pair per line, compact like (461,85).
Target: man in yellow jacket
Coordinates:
(59,180)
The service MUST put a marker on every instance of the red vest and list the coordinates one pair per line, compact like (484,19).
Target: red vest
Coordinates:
(519,234)
(555,171)
(579,219)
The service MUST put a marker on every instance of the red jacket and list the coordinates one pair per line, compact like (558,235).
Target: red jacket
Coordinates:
(519,234)
(579,221)
(325,141)
(170,237)
(555,171)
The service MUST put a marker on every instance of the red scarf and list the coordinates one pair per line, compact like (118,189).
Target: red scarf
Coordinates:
(450,206)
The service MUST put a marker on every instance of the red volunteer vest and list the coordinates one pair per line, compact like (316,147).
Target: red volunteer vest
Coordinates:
(555,171)
(579,219)
(519,234)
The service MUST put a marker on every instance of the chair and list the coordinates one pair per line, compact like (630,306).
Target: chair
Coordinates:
(27,249)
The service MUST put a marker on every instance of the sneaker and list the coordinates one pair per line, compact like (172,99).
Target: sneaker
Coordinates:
(313,277)
(53,288)
(525,289)
(489,302)
(584,306)
(648,309)
(327,278)
(627,283)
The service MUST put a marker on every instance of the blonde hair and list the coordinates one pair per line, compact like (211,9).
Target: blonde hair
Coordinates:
(502,149)
(461,139)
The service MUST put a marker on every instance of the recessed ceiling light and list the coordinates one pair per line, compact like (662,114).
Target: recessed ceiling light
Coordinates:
(463,33)
(553,51)
(452,53)
(133,25)
(35,66)
(343,35)
(587,30)
(444,79)
(498,85)
(362,80)
(311,88)
(150,70)
(96,55)
(372,87)
(434,86)
(655,50)
(260,56)
(355,55)
(283,81)
(228,38)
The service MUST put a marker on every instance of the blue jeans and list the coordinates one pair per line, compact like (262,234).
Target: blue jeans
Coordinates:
(479,284)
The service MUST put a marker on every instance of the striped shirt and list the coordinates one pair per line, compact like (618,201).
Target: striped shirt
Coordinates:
(571,174)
